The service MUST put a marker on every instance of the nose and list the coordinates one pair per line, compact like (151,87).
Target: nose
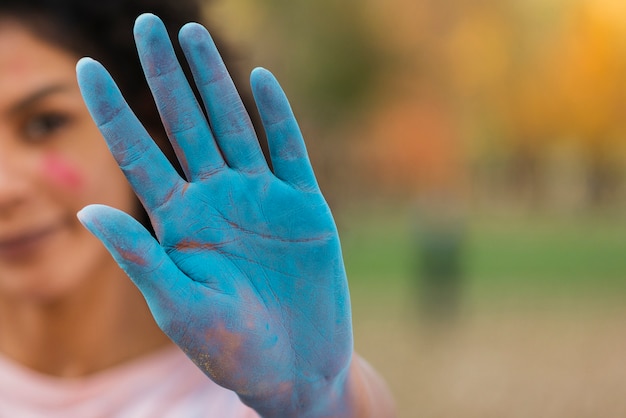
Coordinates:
(13,183)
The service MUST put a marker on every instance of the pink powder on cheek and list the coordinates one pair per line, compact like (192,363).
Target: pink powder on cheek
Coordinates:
(61,172)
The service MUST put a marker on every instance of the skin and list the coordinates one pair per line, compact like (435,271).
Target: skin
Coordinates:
(246,274)
(66,308)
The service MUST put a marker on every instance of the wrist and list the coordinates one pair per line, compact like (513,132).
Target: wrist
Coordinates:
(307,398)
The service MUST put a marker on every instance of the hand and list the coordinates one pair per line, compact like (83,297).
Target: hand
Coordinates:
(246,273)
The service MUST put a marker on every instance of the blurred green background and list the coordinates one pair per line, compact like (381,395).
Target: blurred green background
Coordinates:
(474,156)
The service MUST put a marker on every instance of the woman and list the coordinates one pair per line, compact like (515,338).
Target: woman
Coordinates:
(240,266)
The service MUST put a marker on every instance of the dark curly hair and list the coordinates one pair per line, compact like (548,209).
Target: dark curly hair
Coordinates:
(103,30)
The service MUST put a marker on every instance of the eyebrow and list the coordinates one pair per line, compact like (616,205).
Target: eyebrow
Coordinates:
(35,96)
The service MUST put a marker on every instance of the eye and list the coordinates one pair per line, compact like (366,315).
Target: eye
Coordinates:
(43,125)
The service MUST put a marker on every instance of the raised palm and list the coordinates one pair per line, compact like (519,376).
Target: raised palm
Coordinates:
(246,274)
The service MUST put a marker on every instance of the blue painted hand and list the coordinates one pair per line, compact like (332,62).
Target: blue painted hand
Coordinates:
(246,274)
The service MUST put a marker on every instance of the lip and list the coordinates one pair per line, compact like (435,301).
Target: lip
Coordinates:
(26,243)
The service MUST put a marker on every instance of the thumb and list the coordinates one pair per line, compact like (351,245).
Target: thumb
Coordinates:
(141,256)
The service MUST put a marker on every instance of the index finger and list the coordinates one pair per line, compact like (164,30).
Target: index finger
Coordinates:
(150,174)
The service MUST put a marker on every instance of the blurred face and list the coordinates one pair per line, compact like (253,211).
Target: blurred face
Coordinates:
(53,162)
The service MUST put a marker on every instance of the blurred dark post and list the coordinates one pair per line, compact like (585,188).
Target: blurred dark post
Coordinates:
(440,238)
